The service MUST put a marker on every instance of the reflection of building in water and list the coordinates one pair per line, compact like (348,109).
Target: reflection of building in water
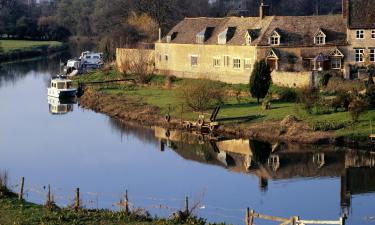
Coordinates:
(278,161)
(60,106)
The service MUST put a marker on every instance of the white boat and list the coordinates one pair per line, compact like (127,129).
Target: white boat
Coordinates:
(61,88)
(92,59)
(59,106)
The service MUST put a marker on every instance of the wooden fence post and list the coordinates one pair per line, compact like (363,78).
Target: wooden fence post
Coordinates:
(77,204)
(20,196)
(247,217)
(251,219)
(182,111)
(187,206)
(126,202)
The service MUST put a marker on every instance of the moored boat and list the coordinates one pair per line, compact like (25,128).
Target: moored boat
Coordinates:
(61,88)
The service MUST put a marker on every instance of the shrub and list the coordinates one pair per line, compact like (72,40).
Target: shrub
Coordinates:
(356,108)
(325,79)
(370,95)
(284,93)
(328,125)
(337,84)
(266,104)
(202,94)
(308,97)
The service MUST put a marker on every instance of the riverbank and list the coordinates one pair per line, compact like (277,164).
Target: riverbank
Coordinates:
(15,211)
(21,49)
(148,104)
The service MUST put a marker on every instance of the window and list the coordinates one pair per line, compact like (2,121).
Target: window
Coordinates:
(372,55)
(360,34)
(373,34)
(226,60)
(336,63)
(359,55)
(320,38)
(236,63)
(166,57)
(247,64)
(216,62)
(274,39)
(194,60)
(248,39)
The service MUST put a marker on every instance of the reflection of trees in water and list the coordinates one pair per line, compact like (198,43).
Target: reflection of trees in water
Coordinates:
(133,130)
(261,151)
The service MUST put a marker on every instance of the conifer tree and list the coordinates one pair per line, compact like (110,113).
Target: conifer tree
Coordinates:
(260,80)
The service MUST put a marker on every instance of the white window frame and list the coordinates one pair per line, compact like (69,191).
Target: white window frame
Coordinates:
(248,39)
(236,63)
(359,54)
(216,62)
(247,64)
(336,63)
(320,38)
(194,63)
(360,34)
(372,55)
(274,39)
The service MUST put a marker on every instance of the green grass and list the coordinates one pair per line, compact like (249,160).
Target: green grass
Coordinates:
(13,211)
(20,45)
(156,94)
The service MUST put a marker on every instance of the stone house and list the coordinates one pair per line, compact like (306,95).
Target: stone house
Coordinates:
(299,49)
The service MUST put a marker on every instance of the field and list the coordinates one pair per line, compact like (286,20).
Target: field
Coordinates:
(19,45)
(156,94)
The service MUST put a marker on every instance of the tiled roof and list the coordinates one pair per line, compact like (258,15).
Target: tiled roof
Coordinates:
(362,14)
(300,30)
(294,30)
(190,27)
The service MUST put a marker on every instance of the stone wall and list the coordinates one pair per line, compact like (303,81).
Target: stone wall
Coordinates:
(292,79)
(129,60)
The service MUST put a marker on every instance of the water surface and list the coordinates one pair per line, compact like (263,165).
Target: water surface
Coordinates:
(104,157)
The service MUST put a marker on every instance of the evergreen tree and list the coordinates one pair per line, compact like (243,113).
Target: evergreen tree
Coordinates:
(260,80)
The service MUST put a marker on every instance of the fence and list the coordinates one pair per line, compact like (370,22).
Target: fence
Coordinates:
(294,220)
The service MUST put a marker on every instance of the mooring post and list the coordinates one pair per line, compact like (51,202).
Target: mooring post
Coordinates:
(187,206)
(20,196)
(126,202)
(77,205)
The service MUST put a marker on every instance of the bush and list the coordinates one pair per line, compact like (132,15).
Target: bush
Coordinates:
(370,95)
(308,97)
(338,84)
(328,125)
(284,93)
(202,94)
(356,108)
(325,79)
(266,104)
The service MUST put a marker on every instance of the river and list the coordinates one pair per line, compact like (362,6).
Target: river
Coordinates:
(68,147)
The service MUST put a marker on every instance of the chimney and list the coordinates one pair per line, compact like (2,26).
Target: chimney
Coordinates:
(159,34)
(345,9)
(263,10)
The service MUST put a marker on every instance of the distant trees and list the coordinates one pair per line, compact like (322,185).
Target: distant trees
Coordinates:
(260,80)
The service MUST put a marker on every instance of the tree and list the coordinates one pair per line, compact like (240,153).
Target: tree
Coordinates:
(260,80)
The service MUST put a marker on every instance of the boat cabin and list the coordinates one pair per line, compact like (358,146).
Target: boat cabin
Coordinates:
(61,84)
(92,57)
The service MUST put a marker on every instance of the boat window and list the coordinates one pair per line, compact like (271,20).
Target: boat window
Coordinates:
(60,85)
(96,57)
(88,57)
(68,85)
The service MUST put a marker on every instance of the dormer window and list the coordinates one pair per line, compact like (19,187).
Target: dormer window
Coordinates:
(320,38)
(200,37)
(247,39)
(169,38)
(274,39)
(226,35)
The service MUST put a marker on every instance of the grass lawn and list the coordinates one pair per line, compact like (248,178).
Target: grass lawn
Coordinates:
(14,45)
(157,95)
(13,211)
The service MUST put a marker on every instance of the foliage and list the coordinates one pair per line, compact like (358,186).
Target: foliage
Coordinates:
(308,97)
(283,93)
(260,80)
(325,79)
(266,104)
(370,95)
(200,95)
(337,84)
(356,108)
(328,125)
